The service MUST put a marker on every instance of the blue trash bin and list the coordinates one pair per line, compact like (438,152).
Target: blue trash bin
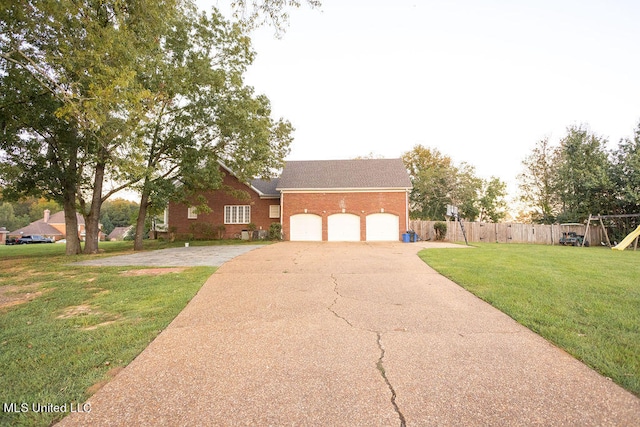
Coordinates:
(405,238)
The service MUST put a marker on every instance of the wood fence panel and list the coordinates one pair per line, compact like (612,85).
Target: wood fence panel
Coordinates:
(541,234)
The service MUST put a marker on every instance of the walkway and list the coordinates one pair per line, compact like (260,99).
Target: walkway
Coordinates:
(339,334)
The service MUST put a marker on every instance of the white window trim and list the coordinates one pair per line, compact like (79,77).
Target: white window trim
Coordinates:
(274,211)
(192,213)
(237,214)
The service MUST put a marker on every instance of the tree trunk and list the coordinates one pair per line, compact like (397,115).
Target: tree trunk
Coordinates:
(69,199)
(71,224)
(142,214)
(92,218)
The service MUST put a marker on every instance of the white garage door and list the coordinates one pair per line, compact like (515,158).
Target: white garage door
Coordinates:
(343,227)
(305,227)
(383,227)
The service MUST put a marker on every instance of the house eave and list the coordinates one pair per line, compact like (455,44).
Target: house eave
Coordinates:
(254,189)
(345,190)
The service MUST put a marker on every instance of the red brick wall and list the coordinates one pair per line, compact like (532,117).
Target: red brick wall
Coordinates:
(357,203)
(216,200)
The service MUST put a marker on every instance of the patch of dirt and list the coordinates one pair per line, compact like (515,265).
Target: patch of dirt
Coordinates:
(153,271)
(101,291)
(111,373)
(11,271)
(11,295)
(84,310)
(91,328)
(77,310)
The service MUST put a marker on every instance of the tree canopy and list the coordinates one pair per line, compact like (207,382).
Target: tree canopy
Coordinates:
(99,96)
(201,113)
(579,176)
(538,182)
(275,13)
(438,182)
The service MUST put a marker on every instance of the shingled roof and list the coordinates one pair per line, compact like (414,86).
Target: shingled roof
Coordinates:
(44,228)
(344,174)
(58,218)
(267,188)
(37,227)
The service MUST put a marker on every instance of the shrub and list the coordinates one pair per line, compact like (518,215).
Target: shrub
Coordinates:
(440,229)
(172,233)
(251,227)
(275,231)
(220,230)
(202,230)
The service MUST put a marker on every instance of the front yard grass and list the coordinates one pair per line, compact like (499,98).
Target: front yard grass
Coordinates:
(65,330)
(584,300)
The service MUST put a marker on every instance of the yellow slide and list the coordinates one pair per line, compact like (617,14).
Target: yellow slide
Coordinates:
(627,240)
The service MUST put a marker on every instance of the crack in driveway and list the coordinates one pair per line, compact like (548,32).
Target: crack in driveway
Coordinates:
(335,301)
(380,361)
(380,366)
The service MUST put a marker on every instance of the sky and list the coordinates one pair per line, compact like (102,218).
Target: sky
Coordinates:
(480,81)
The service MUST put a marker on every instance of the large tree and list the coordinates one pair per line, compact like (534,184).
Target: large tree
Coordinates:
(583,179)
(538,182)
(466,191)
(38,149)
(438,182)
(92,67)
(75,63)
(201,113)
(433,176)
(625,174)
(492,200)
(625,177)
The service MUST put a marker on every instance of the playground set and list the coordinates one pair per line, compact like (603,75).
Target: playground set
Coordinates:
(631,237)
(572,237)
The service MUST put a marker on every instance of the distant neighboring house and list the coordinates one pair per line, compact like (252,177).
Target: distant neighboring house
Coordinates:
(52,226)
(119,233)
(323,200)
(3,235)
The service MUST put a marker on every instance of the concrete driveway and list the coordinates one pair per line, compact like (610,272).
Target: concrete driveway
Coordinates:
(194,256)
(325,334)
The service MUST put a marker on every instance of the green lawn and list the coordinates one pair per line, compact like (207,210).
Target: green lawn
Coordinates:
(585,300)
(81,326)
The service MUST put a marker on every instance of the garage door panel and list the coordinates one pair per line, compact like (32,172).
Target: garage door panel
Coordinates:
(383,227)
(305,227)
(343,227)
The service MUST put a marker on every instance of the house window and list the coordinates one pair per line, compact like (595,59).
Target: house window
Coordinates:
(237,214)
(274,211)
(192,213)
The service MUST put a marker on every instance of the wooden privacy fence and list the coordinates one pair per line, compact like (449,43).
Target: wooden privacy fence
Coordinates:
(541,234)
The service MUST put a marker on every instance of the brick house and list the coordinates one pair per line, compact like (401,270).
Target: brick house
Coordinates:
(53,227)
(323,200)
(229,215)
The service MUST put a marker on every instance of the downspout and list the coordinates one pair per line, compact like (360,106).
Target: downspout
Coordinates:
(282,214)
(406,207)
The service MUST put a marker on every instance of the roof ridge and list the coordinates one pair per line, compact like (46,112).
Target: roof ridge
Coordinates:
(345,174)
